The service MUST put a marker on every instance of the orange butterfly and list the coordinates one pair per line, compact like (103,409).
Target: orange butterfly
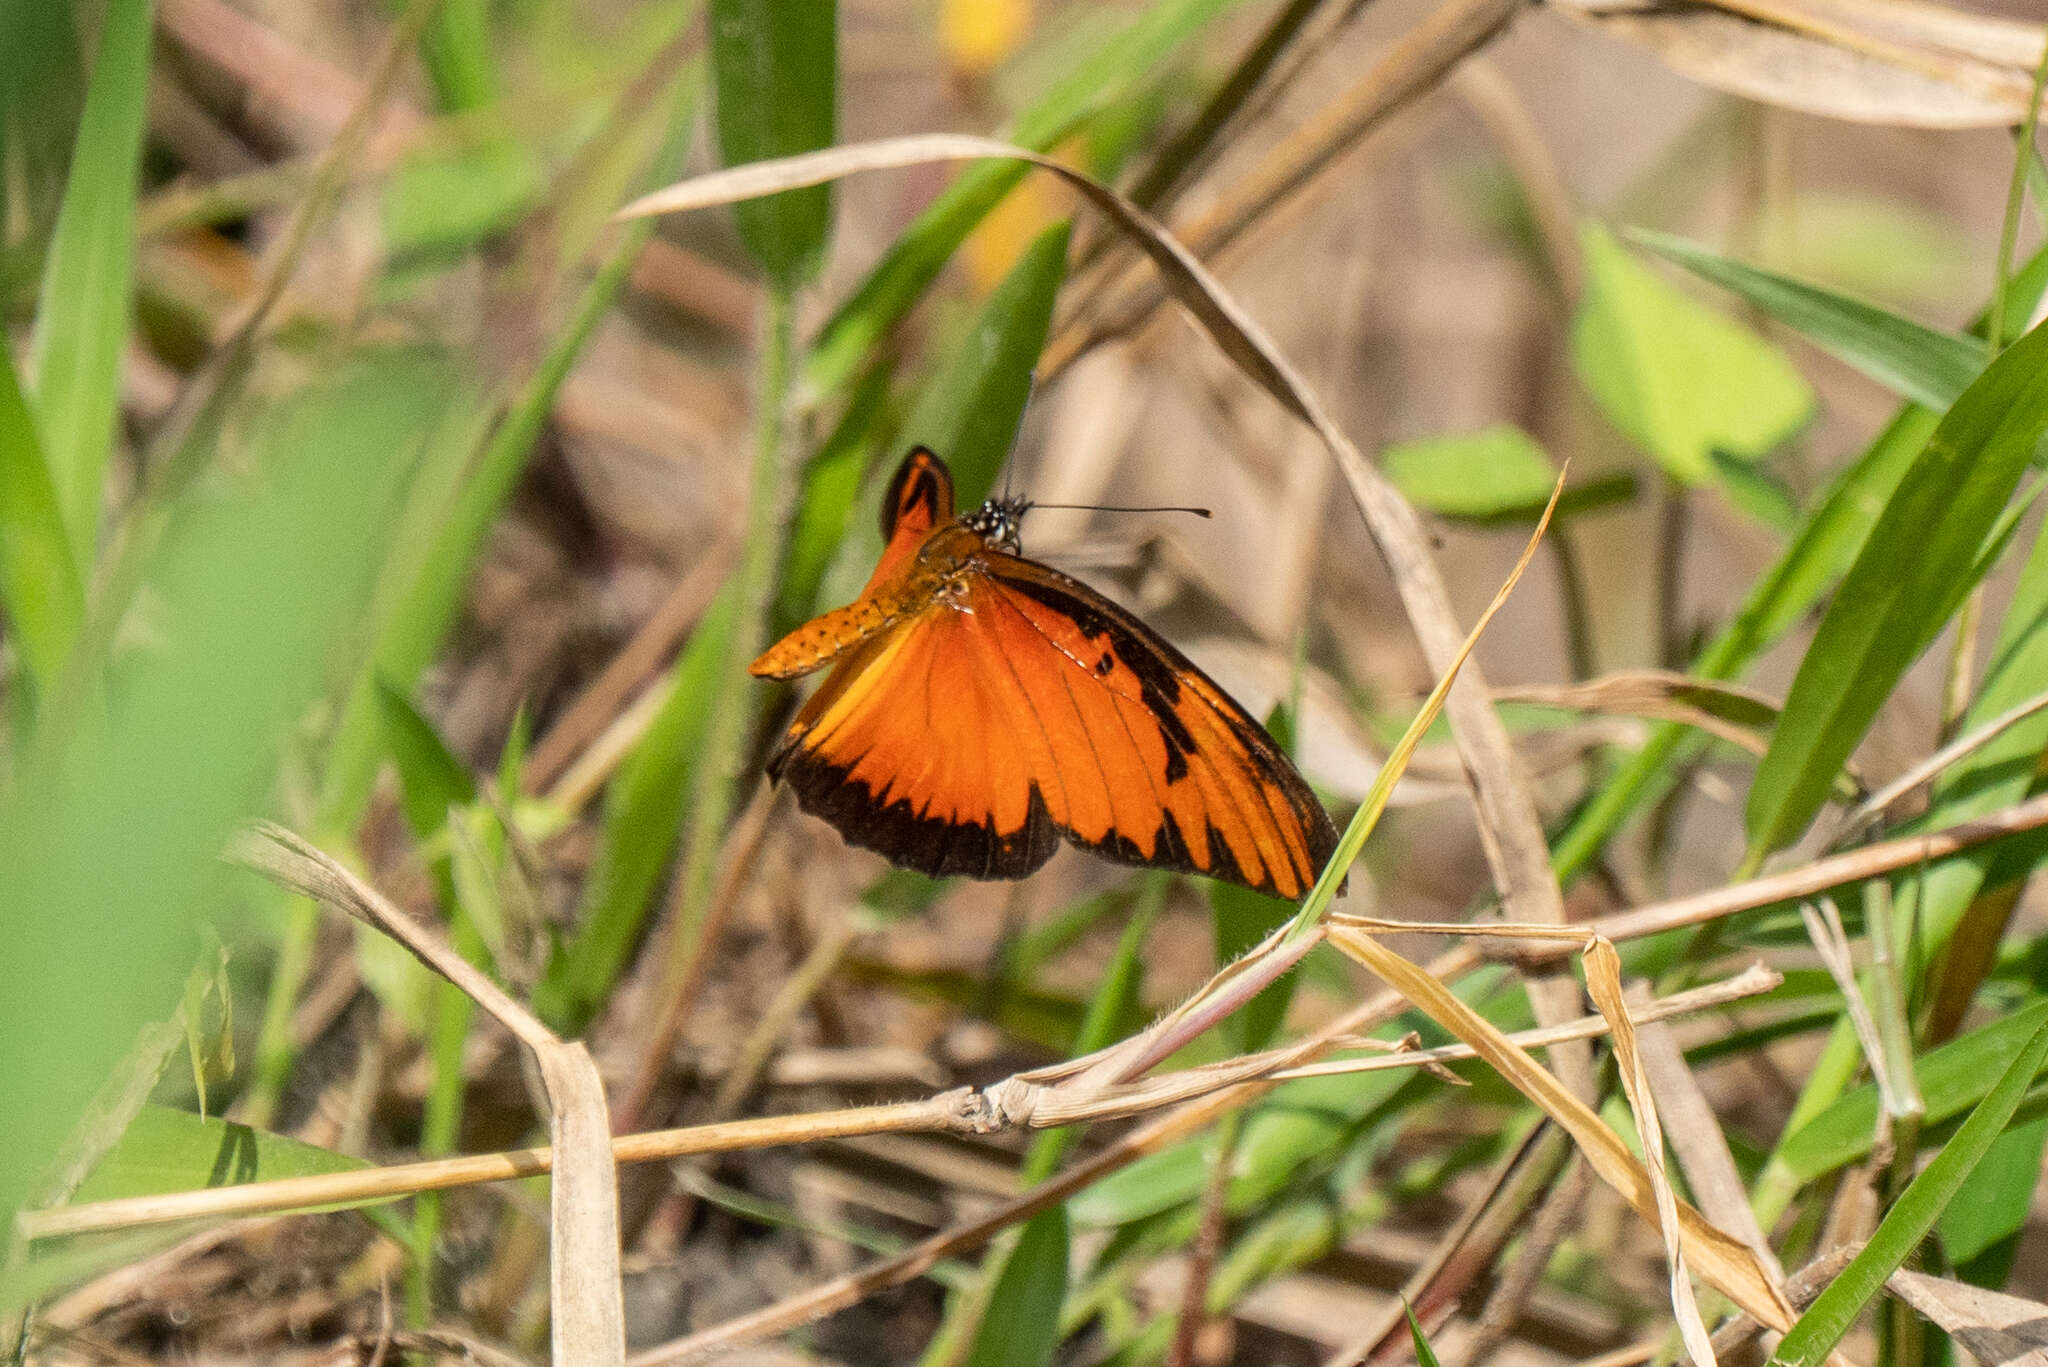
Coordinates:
(982,706)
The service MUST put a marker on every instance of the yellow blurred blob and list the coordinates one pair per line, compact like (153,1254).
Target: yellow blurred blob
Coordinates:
(978,34)
(1011,226)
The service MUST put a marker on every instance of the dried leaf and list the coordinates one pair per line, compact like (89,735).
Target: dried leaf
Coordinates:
(1724,1262)
(1996,1328)
(1916,66)
(1603,984)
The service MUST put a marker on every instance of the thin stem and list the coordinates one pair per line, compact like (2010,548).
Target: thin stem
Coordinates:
(2008,234)
(718,761)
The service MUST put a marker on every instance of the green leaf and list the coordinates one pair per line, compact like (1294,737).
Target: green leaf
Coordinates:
(1921,554)
(1952,1079)
(775,65)
(1913,1215)
(969,410)
(1984,1213)
(1678,378)
(431,780)
(643,813)
(165,1150)
(921,251)
(82,317)
(40,589)
(1913,361)
(1496,471)
(111,834)
(1022,1326)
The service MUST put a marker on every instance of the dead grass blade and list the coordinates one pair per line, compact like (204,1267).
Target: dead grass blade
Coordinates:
(1918,66)
(1824,928)
(1875,806)
(1724,711)
(1694,1132)
(588,1315)
(1723,1261)
(1509,827)
(1997,1329)
(1603,984)
(1872,861)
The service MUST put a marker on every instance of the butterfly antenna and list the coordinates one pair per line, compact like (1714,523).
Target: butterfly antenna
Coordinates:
(1127,508)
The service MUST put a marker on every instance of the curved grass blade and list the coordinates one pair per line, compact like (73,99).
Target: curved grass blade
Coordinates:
(1923,551)
(1913,361)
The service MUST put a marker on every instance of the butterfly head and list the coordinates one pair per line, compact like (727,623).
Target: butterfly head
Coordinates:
(998,522)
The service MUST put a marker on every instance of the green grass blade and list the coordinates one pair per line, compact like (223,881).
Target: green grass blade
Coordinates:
(113,829)
(165,1150)
(470,485)
(1912,1215)
(921,252)
(1425,1356)
(41,89)
(430,778)
(1022,1326)
(775,67)
(642,819)
(1952,1079)
(1913,361)
(1679,379)
(41,593)
(1922,551)
(82,317)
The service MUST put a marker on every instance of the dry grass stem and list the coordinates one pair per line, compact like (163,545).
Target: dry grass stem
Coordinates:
(1879,803)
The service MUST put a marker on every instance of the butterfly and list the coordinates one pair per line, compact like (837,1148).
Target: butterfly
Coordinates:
(982,707)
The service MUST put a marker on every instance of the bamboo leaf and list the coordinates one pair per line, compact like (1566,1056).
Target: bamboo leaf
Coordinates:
(1922,553)
(82,316)
(775,65)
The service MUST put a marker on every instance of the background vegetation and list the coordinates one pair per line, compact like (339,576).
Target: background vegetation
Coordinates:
(361,471)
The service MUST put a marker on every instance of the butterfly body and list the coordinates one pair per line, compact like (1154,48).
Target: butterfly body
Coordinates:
(983,706)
